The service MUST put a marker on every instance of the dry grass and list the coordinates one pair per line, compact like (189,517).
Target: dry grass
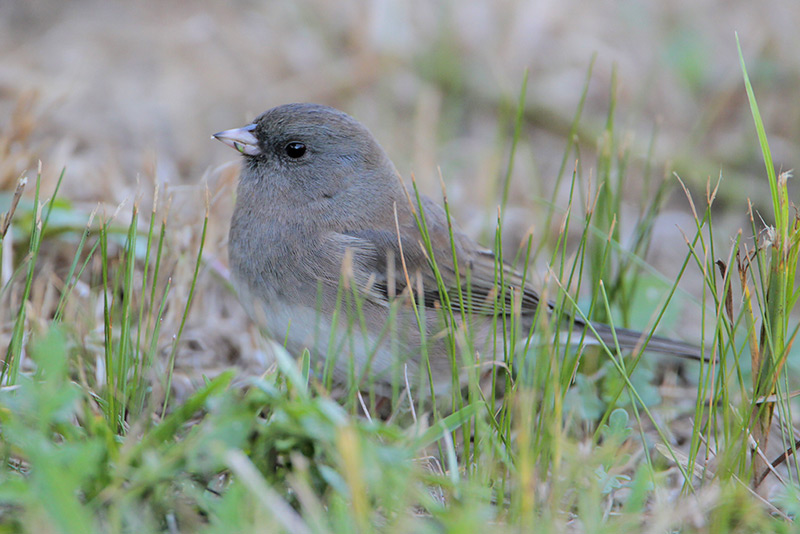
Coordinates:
(125,96)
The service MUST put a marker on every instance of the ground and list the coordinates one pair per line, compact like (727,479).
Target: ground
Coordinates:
(125,96)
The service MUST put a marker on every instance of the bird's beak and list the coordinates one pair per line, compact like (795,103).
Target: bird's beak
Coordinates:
(242,139)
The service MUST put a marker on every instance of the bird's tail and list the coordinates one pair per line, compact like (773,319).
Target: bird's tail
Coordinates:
(631,339)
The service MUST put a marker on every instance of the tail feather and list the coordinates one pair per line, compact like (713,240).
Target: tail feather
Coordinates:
(631,339)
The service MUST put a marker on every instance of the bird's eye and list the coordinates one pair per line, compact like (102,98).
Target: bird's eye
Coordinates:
(295,149)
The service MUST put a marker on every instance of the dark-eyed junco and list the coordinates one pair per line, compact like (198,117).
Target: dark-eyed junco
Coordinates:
(325,247)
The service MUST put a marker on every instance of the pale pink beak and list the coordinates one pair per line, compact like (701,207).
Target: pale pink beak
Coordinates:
(242,139)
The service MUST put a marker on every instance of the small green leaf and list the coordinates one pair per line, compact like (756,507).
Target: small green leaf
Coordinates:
(449,424)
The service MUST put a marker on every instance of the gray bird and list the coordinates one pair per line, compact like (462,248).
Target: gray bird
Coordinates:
(327,255)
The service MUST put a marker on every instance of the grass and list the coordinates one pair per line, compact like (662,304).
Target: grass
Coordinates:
(581,438)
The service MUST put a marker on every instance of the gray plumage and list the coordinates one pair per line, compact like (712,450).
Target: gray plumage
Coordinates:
(319,202)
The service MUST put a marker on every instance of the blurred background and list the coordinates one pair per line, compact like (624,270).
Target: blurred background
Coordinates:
(127,94)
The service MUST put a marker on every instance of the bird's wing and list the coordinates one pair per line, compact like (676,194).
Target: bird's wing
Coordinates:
(474,280)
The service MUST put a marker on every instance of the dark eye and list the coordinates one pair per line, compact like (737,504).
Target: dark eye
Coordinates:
(295,149)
